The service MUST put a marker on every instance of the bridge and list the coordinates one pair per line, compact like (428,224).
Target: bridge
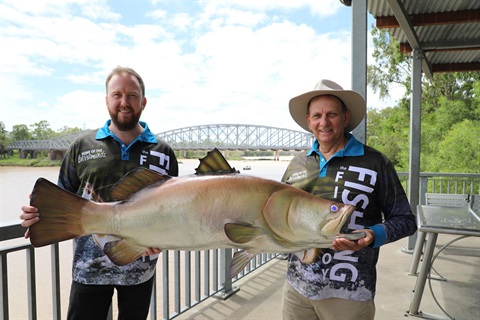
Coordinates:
(203,137)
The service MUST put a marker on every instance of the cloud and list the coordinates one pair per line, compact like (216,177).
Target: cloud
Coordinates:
(318,8)
(223,62)
(86,107)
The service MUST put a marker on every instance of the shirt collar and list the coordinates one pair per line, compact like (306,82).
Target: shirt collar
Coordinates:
(145,136)
(353,148)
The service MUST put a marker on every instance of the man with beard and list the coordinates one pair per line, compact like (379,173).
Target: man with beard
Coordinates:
(94,162)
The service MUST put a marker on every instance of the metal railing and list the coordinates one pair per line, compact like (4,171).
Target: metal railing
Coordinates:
(450,183)
(183,279)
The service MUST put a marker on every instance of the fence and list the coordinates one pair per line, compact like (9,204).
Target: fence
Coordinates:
(184,279)
(450,183)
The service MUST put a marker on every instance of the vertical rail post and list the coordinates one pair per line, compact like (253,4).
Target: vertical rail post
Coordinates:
(225,280)
(4,285)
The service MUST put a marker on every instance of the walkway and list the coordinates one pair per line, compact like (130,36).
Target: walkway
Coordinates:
(260,293)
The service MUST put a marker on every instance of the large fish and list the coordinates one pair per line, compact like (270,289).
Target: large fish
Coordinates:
(215,208)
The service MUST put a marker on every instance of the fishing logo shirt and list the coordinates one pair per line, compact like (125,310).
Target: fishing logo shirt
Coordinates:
(363,177)
(93,164)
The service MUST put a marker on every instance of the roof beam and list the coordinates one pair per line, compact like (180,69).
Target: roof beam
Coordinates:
(407,27)
(431,19)
(456,67)
(442,46)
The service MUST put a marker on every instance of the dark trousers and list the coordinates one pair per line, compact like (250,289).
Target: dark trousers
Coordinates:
(92,302)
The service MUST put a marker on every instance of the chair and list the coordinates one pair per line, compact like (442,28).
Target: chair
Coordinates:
(447,199)
(475,202)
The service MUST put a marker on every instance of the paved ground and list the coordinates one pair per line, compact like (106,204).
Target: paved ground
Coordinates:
(260,295)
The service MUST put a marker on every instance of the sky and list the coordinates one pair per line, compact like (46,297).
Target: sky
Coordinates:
(203,62)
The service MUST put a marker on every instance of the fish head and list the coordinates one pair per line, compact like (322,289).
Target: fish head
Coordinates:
(299,219)
(317,220)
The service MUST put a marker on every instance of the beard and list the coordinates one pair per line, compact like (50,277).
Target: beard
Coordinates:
(125,125)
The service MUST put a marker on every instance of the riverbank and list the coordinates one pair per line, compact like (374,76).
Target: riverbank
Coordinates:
(17,162)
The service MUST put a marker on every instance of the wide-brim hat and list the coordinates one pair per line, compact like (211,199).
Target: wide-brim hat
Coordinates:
(353,101)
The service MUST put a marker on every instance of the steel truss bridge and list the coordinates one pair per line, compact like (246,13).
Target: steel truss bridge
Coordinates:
(203,137)
(237,137)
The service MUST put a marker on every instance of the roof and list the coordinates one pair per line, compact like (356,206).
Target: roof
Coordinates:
(448,32)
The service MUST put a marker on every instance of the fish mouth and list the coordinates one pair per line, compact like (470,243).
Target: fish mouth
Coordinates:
(334,226)
(354,236)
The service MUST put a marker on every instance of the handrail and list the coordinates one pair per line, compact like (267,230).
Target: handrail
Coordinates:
(203,276)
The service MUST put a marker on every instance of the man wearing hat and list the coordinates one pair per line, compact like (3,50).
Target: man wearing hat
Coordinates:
(340,283)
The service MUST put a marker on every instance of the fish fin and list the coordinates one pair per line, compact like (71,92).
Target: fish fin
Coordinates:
(239,261)
(121,252)
(214,163)
(309,255)
(134,181)
(59,212)
(240,233)
(102,239)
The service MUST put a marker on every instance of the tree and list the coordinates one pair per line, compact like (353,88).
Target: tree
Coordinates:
(3,132)
(388,133)
(450,111)
(20,132)
(66,130)
(391,66)
(4,140)
(460,150)
(42,131)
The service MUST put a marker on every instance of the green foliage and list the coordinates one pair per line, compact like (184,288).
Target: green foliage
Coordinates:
(476,100)
(20,132)
(40,161)
(42,131)
(388,131)
(4,140)
(450,121)
(459,151)
(391,67)
(66,130)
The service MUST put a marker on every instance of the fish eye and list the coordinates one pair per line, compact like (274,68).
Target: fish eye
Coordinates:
(334,208)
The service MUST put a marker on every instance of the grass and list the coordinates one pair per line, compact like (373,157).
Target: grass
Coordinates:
(40,161)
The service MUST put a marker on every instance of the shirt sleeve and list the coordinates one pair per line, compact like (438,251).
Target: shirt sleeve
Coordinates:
(68,178)
(399,221)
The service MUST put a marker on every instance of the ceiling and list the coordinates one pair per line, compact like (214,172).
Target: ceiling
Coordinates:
(446,31)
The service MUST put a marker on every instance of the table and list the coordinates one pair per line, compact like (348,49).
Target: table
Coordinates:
(432,221)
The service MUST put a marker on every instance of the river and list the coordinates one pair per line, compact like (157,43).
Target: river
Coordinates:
(16,183)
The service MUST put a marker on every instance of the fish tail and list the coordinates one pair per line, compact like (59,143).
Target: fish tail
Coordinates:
(59,212)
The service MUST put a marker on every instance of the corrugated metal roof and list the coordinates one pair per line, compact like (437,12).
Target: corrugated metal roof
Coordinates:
(446,44)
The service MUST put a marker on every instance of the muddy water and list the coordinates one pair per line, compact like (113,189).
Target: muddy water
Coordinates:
(16,184)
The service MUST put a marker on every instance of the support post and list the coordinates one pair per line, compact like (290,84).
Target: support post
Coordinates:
(359,59)
(225,280)
(415,140)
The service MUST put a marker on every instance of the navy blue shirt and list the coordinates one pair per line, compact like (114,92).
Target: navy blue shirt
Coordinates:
(93,164)
(361,176)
